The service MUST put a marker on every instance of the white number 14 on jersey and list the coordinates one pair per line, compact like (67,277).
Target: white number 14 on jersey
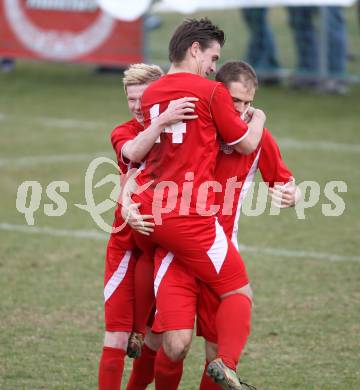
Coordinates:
(177,129)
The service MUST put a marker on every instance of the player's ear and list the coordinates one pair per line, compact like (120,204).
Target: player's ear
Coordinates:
(194,48)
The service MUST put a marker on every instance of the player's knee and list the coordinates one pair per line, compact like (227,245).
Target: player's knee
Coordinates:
(176,345)
(116,340)
(153,340)
(176,351)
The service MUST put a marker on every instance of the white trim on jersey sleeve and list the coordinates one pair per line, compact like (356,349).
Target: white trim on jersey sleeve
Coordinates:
(124,159)
(239,140)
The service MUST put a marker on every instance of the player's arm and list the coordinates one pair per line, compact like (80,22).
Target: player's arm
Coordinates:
(178,110)
(130,210)
(233,130)
(120,136)
(282,188)
(255,118)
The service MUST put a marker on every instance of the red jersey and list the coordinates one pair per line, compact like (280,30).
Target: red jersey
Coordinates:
(119,137)
(233,167)
(185,153)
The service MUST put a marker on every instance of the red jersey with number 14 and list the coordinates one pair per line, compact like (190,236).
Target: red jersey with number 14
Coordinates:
(185,153)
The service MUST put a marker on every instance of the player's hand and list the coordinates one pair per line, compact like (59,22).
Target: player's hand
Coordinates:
(251,112)
(260,114)
(137,221)
(286,195)
(247,115)
(179,110)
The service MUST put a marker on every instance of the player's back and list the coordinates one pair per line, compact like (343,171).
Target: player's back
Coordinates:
(187,148)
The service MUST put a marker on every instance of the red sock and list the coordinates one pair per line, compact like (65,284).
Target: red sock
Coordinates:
(142,373)
(206,382)
(144,292)
(111,368)
(167,372)
(233,327)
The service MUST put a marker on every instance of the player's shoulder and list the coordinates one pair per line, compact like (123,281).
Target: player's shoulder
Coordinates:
(204,82)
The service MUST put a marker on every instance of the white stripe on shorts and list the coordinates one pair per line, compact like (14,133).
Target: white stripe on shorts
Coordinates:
(219,248)
(165,262)
(117,277)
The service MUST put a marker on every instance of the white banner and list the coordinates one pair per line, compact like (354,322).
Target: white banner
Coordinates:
(131,10)
(124,9)
(190,6)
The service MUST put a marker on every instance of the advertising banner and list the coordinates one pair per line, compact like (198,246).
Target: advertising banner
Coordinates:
(68,31)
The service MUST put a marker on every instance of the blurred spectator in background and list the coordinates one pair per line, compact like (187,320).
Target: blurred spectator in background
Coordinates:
(7,64)
(261,50)
(152,22)
(306,37)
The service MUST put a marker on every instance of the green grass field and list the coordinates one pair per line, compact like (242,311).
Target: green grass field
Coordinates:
(306,322)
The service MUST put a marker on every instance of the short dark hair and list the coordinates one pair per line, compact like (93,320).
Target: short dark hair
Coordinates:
(237,71)
(190,31)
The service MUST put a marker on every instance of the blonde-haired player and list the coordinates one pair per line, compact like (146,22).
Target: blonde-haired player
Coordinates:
(128,142)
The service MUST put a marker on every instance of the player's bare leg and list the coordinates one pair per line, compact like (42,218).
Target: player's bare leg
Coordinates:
(153,340)
(246,290)
(176,343)
(169,362)
(116,340)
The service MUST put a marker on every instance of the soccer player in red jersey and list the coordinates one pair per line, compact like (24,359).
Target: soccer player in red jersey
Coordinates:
(179,176)
(241,81)
(235,173)
(129,141)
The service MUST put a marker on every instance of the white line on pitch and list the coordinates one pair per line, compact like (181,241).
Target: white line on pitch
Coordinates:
(296,253)
(62,123)
(60,158)
(97,235)
(67,123)
(93,234)
(290,143)
(68,158)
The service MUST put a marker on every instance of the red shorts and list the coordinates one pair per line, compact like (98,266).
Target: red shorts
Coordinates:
(180,297)
(176,293)
(119,288)
(201,246)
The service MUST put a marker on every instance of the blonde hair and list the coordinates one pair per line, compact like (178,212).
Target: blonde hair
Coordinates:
(138,74)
